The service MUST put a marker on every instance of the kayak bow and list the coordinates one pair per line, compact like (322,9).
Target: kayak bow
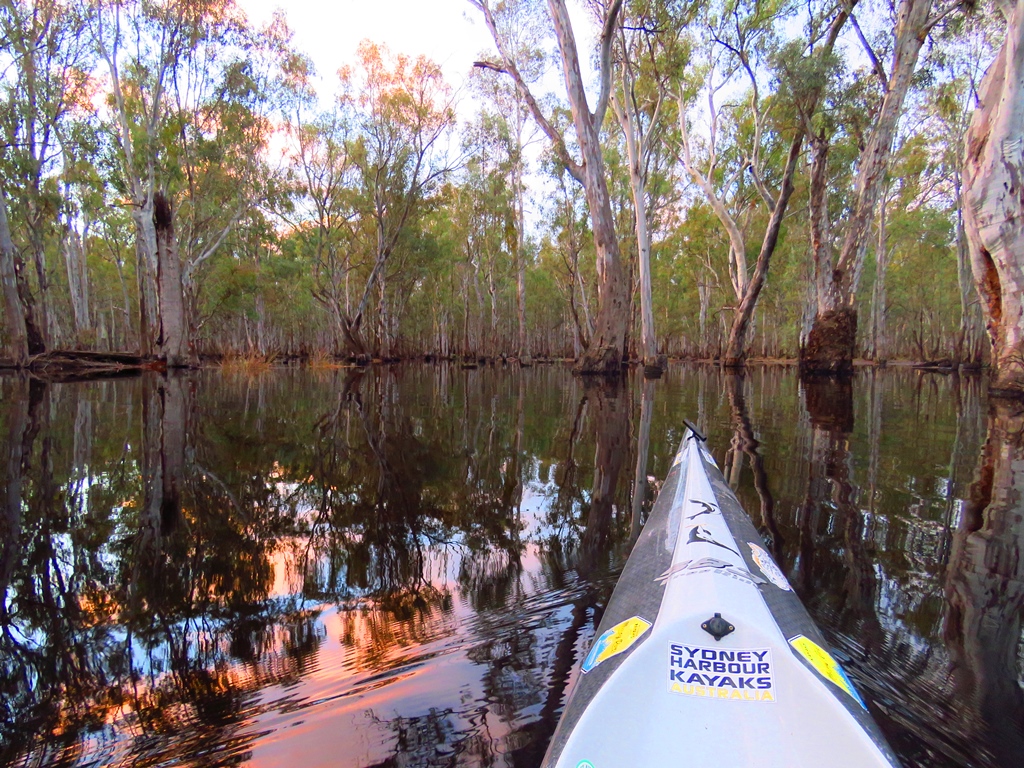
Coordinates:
(705,656)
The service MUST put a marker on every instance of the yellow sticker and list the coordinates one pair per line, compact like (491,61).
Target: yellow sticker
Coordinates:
(826,666)
(614,641)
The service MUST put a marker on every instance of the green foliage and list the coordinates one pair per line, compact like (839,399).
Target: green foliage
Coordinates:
(283,206)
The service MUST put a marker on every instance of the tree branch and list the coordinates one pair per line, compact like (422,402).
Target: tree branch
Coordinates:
(875,63)
(607,36)
(508,67)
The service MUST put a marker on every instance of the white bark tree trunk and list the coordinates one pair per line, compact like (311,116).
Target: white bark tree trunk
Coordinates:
(636,150)
(606,350)
(78,284)
(993,196)
(17,333)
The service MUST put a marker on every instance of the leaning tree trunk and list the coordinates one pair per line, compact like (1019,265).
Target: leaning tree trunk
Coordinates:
(736,349)
(994,205)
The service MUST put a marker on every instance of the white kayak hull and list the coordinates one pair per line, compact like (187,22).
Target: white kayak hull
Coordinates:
(657,688)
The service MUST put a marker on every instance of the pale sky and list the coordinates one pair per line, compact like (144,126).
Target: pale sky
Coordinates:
(447,31)
(450,32)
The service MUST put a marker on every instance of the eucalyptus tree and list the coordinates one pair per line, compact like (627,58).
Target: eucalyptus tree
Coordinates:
(404,114)
(740,44)
(490,214)
(325,172)
(141,44)
(224,103)
(45,81)
(830,344)
(184,113)
(993,207)
(607,345)
(520,28)
(646,58)
(567,222)
(15,313)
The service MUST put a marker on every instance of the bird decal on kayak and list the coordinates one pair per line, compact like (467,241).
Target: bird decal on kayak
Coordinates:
(708,509)
(700,534)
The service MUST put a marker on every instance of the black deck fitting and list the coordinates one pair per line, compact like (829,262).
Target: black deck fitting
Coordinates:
(717,627)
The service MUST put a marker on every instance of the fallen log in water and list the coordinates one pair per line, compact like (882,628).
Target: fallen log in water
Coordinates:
(73,365)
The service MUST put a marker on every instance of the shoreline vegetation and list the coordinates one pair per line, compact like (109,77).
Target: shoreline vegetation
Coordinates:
(82,365)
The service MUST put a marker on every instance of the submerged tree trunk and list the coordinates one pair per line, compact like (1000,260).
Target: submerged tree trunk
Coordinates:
(994,206)
(828,347)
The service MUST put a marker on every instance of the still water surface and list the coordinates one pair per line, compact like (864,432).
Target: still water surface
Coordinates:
(402,568)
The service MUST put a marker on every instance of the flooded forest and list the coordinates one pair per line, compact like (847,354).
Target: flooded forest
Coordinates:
(333,402)
(724,180)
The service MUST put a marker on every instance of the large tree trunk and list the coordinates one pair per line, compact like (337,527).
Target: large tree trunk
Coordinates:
(994,205)
(146,270)
(637,150)
(173,338)
(829,345)
(969,336)
(605,353)
(607,344)
(14,312)
(833,337)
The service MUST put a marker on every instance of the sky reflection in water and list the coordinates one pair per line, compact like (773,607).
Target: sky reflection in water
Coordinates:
(402,568)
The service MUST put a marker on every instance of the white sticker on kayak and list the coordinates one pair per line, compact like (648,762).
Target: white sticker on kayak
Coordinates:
(771,571)
(740,674)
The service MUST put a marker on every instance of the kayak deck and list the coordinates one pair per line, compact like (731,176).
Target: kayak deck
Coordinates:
(705,652)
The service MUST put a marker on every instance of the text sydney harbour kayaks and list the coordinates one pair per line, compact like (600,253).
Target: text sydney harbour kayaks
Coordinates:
(705,656)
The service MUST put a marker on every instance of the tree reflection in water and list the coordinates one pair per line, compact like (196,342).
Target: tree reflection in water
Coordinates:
(985,590)
(404,566)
